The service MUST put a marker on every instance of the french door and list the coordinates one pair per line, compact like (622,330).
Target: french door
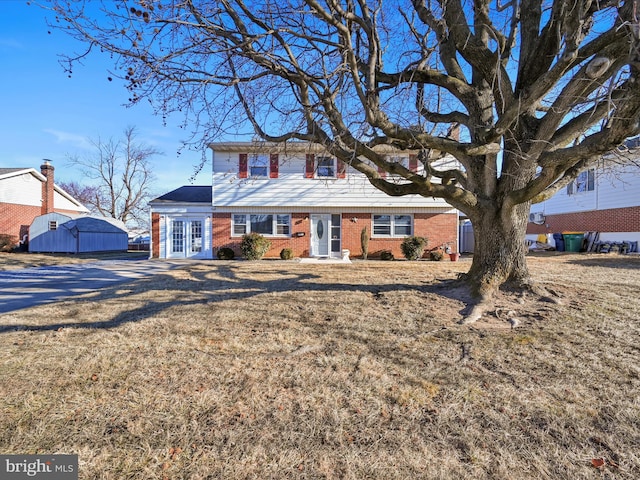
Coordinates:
(185,238)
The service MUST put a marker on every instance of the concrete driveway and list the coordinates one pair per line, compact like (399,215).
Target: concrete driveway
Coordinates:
(28,287)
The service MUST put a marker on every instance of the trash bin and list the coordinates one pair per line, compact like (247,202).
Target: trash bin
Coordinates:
(573,241)
(559,240)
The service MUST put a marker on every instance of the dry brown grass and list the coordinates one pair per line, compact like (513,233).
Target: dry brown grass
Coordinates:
(284,370)
(12,261)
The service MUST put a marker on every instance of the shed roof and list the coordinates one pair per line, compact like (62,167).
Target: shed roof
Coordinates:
(187,194)
(93,224)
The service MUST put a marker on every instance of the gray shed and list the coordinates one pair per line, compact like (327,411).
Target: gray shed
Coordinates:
(55,232)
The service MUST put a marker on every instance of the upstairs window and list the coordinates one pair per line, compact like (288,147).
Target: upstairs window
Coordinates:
(584,182)
(326,167)
(258,165)
(53,225)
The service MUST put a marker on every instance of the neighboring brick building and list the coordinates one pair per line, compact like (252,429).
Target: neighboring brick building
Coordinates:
(603,199)
(25,194)
(299,197)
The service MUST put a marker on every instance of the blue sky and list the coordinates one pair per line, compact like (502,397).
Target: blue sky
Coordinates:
(45,114)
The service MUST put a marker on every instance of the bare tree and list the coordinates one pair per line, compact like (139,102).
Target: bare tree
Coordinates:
(85,194)
(120,176)
(540,90)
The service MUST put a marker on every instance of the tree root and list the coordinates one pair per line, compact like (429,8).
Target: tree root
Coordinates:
(485,302)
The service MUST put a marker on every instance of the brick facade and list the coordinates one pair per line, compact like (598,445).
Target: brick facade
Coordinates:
(15,219)
(611,220)
(155,235)
(439,228)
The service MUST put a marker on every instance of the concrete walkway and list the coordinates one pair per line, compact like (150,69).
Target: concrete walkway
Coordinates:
(29,287)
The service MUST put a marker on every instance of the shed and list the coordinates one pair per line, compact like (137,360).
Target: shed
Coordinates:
(54,232)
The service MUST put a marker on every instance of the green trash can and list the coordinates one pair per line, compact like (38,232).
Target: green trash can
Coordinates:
(573,241)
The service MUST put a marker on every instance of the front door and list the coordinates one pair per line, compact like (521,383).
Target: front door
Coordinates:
(185,238)
(320,235)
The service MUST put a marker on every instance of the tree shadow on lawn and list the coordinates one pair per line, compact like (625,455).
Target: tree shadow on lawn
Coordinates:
(226,285)
(623,262)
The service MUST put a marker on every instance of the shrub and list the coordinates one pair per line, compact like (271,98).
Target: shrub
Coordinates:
(254,246)
(364,242)
(386,255)
(7,243)
(413,247)
(286,254)
(225,253)
(436,255)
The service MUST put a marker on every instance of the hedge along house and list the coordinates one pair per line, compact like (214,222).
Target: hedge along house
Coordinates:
(299,197)
(603,199)
(58,233)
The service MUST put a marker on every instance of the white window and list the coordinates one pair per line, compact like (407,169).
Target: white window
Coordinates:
(392,225)
(585,182)
(326,167)
(402,160)
(266,224)
(258,165)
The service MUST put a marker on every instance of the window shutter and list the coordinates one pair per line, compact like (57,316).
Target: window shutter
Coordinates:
(590,180)
(413,163)
(309,166)
(242,165)
(382,172)
(342,169)
(273,165)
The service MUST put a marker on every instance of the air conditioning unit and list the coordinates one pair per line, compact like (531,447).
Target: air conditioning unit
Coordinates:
(537,218)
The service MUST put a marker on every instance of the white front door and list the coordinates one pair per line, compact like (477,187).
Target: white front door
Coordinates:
(185,238)
(320,235)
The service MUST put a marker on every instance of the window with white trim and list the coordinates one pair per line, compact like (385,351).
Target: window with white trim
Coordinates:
(53,225)
(402,160)
(392,225)
(584,182)
(275,225)
(326,167)
(258,165)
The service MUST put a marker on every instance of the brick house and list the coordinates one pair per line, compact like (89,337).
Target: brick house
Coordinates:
(603,199)
(299,197)
(26,193)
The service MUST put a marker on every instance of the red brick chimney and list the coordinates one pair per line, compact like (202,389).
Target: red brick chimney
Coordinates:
(47,187)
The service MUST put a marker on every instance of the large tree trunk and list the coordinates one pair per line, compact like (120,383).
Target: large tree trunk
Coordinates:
(500,249)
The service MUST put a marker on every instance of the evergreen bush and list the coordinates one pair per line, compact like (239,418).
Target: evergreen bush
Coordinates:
(413,247)
(254,246)
(386,255)
(286,254)
(364,242)
(225,253)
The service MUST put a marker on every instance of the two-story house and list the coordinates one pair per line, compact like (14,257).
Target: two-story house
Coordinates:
(26,193)
(299,197)
(604,199)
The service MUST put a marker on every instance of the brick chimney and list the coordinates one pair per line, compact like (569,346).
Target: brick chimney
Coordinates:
(47,187)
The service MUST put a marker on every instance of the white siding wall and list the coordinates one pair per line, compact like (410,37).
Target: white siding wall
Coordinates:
(22,189)
(293,190)
(614,188)
(63,203)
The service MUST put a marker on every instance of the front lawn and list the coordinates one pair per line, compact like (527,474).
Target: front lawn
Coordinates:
(285,370)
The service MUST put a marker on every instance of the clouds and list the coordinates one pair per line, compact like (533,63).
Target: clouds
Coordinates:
(71,139)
